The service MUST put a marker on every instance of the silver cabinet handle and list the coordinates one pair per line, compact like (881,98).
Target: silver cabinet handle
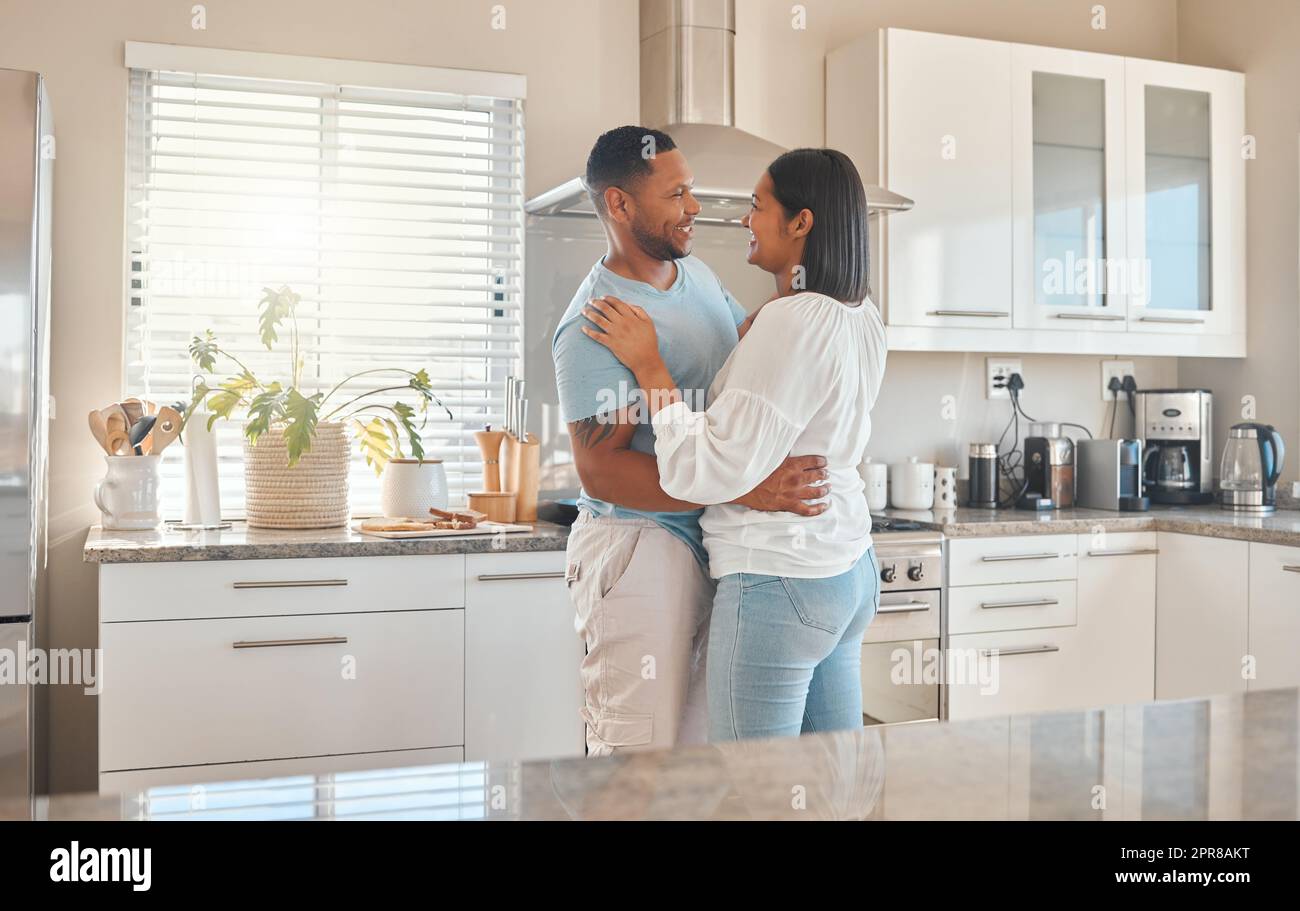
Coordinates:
(281,643)
(909,607)
(1110,317)
(1027,650)
(985,313)
(1178,320)
(505,577)
(1135,552)
(1008,558)
(1291,569)
(295,583)
(1036,602)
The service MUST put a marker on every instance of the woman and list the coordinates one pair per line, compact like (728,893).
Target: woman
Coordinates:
(795,593)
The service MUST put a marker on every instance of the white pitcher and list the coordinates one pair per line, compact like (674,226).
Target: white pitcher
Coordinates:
(129,495)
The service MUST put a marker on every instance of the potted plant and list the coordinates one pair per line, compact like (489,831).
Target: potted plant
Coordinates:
(296,448)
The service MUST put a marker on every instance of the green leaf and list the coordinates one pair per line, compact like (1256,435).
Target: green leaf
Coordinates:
(375,443)
(203,350)
(264,410)
(397,438)
(406,416)
(277,306)
(301,414)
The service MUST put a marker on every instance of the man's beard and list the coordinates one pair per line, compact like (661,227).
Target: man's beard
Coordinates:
(655,245)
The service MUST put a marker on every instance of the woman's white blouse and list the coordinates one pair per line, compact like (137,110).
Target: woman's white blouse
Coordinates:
(801,382)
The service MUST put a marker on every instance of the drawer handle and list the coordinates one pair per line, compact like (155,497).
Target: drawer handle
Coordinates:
(1037,602)
(1135,552)
(281,643)
(1291,569)
(295,583)
(1008,558)
(1179,320)
(505,577)
(910,607)
(1096,316)
(1027,650)
(985,313)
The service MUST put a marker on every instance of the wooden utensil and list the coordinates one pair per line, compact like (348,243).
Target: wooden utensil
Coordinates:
(115,419)
(99,431)
(167,426)
(134,409)
(116,441)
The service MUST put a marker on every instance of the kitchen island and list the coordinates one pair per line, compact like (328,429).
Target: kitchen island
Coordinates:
(1220,758)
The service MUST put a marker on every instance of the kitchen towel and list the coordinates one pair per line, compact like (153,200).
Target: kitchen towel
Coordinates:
(202,493)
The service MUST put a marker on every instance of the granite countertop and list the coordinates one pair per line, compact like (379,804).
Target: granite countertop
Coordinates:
(169,544)
(1283,527)
(1226,757)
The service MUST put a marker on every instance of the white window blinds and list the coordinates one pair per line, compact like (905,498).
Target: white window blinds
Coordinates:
(396,214)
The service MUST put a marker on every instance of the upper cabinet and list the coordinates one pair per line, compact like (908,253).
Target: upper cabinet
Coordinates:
(1187,180)
(1066,201)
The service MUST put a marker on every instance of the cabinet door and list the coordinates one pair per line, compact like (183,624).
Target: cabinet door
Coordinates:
(523,693)
(1186,181)
(1067,111)
(1014,672)
(1117,616)
(948,141)
(1201,616)
(1275,616)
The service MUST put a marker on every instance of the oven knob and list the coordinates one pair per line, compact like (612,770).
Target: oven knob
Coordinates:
(887,574)
(916,572)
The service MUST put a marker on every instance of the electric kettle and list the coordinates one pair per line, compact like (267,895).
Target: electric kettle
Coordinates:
(1252,463)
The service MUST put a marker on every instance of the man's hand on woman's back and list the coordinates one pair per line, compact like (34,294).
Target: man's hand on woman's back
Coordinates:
(790,486)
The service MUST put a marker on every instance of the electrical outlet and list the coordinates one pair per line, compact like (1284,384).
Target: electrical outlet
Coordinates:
(997,371)
(1117,369)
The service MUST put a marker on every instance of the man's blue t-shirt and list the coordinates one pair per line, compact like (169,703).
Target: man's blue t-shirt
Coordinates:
(695,320)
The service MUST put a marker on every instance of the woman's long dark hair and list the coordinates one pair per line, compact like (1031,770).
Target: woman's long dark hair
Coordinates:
(835,256)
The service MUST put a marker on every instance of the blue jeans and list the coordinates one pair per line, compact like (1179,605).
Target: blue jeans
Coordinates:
(785,654)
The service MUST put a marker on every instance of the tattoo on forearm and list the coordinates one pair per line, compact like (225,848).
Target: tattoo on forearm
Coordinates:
(593,430)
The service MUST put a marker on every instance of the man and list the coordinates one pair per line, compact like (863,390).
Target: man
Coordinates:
(636,563)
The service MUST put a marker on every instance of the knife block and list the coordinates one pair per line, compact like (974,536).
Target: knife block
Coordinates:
(520,466)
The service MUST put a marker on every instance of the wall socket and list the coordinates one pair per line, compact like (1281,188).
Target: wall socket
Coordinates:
(999,370)
(1117,369)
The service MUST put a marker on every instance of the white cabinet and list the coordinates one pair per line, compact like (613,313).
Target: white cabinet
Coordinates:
(1066,202)
(949,104)
(1014,671)
(1117,615)
(1274,636)
(1186,175)
(1067,155)
(523,693)
(1201,616)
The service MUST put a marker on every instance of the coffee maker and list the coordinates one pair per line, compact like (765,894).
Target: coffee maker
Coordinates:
(1174,426)
(1049,469)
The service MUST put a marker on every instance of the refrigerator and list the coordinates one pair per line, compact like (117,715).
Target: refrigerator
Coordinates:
(26,160)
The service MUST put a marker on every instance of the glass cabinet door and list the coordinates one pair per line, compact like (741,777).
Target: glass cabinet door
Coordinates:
(1068,193)
(1186,175)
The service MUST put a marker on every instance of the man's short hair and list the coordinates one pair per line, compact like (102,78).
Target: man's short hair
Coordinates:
(620,158)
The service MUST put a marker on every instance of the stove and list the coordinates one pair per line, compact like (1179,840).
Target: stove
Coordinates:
(901,650)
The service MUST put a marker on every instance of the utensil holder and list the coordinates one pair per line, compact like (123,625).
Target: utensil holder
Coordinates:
(520,467)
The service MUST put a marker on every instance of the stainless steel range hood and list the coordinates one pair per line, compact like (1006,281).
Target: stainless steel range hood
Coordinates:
(688,91)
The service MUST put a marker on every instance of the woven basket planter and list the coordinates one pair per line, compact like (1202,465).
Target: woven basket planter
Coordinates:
(311,494)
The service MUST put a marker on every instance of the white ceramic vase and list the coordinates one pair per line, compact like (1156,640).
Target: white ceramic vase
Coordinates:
(410,487)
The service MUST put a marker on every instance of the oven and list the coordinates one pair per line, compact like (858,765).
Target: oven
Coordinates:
(902,649)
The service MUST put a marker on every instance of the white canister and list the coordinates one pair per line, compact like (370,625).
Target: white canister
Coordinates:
(875,475)
(410,487)
(129,495)
(911,484)
(945,488)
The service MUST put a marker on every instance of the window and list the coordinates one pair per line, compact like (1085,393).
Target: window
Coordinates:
(396,213)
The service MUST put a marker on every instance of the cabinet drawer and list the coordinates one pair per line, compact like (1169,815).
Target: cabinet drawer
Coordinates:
(905,616)
(192,777)
(258,588)
(1027,558)
(1036,670)
(1021,605)
(240,689)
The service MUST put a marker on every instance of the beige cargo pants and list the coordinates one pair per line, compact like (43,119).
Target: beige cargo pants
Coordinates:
(643,604)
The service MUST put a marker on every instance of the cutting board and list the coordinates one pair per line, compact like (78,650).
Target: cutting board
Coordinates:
(483,528)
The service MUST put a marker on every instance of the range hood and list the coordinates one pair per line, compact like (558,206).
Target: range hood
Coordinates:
(688,91)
